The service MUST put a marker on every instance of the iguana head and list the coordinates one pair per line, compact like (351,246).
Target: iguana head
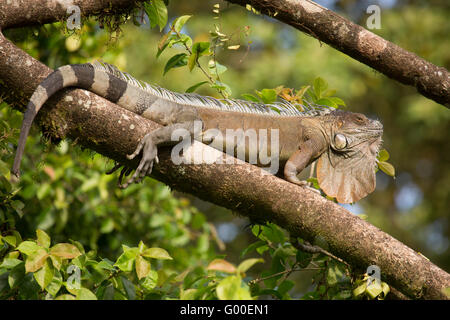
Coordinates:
(347,170)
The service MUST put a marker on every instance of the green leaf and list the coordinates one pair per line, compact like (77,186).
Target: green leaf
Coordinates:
(16,276)
(13,255)
(179,22)
(141,246)
(162,44)
(107,225)
(18,206)
(230,289)
(106,264)
(320,85)
(374,289)
(178,60)
(383,155)
(303,258)
(198,49)
(336,273)
(12,240)
(80,261)
(44,275)
(85,294)
(332,277)
(78,245)
(249,97)
(201,49)
(446,291)
(28,247)
(157,13)
(222,87)
(267,95)
(216,68)
(150,281)
(195,86)
(385,288)
(56,261)
(252,247)
(360,289)
(106,292)
(343,295)
(142,267)
(337,101)
(129,288)
(65,251)
(43,239)
(126,260)
(56,283)
(36,260)
(192,60)
(387,168)
(272,233)
(9,263)
(262,249)
(247,264)
(329,93)
(5,185)
(4,168)
(178,39)
(285,286)
(188,294)
(327,102)
(156,253)
(314,181)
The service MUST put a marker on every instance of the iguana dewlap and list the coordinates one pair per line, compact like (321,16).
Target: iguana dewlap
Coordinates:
(346,144)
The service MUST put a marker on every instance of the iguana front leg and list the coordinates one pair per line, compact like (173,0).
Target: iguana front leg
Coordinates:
(308,151)
(148,146)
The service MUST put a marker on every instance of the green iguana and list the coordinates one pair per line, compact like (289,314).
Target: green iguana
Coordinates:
(346,144)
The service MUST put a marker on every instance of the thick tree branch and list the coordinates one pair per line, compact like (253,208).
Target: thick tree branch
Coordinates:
(24,13)
(104,127)
(393,61)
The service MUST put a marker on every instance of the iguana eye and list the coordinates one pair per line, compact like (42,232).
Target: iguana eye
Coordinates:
(360,119)
(340,141)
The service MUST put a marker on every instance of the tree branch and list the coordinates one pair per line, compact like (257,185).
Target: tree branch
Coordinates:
(98,124)
(25,13)
(386,57)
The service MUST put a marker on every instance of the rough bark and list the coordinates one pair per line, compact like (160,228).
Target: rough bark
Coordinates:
(23,13)
(386,57)
(114,132)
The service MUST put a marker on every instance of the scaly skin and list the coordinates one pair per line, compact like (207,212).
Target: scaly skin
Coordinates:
(345,143)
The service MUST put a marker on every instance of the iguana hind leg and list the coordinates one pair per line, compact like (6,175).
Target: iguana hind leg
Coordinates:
(148,146)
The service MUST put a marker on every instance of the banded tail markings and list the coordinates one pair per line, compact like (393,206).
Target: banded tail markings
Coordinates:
(83,76)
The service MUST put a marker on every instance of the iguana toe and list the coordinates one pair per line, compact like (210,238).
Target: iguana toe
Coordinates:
(114,169)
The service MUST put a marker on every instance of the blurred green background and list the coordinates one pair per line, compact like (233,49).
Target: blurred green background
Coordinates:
(67,194)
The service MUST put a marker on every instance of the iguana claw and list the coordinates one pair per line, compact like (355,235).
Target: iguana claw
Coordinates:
(113,169)
(307,185)
(149,155)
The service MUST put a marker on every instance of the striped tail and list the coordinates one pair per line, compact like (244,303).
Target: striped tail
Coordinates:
(83,76)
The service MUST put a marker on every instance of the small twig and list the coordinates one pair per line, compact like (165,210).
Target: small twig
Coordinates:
(280,273)
(216,238)
(307,247)
(211,80)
